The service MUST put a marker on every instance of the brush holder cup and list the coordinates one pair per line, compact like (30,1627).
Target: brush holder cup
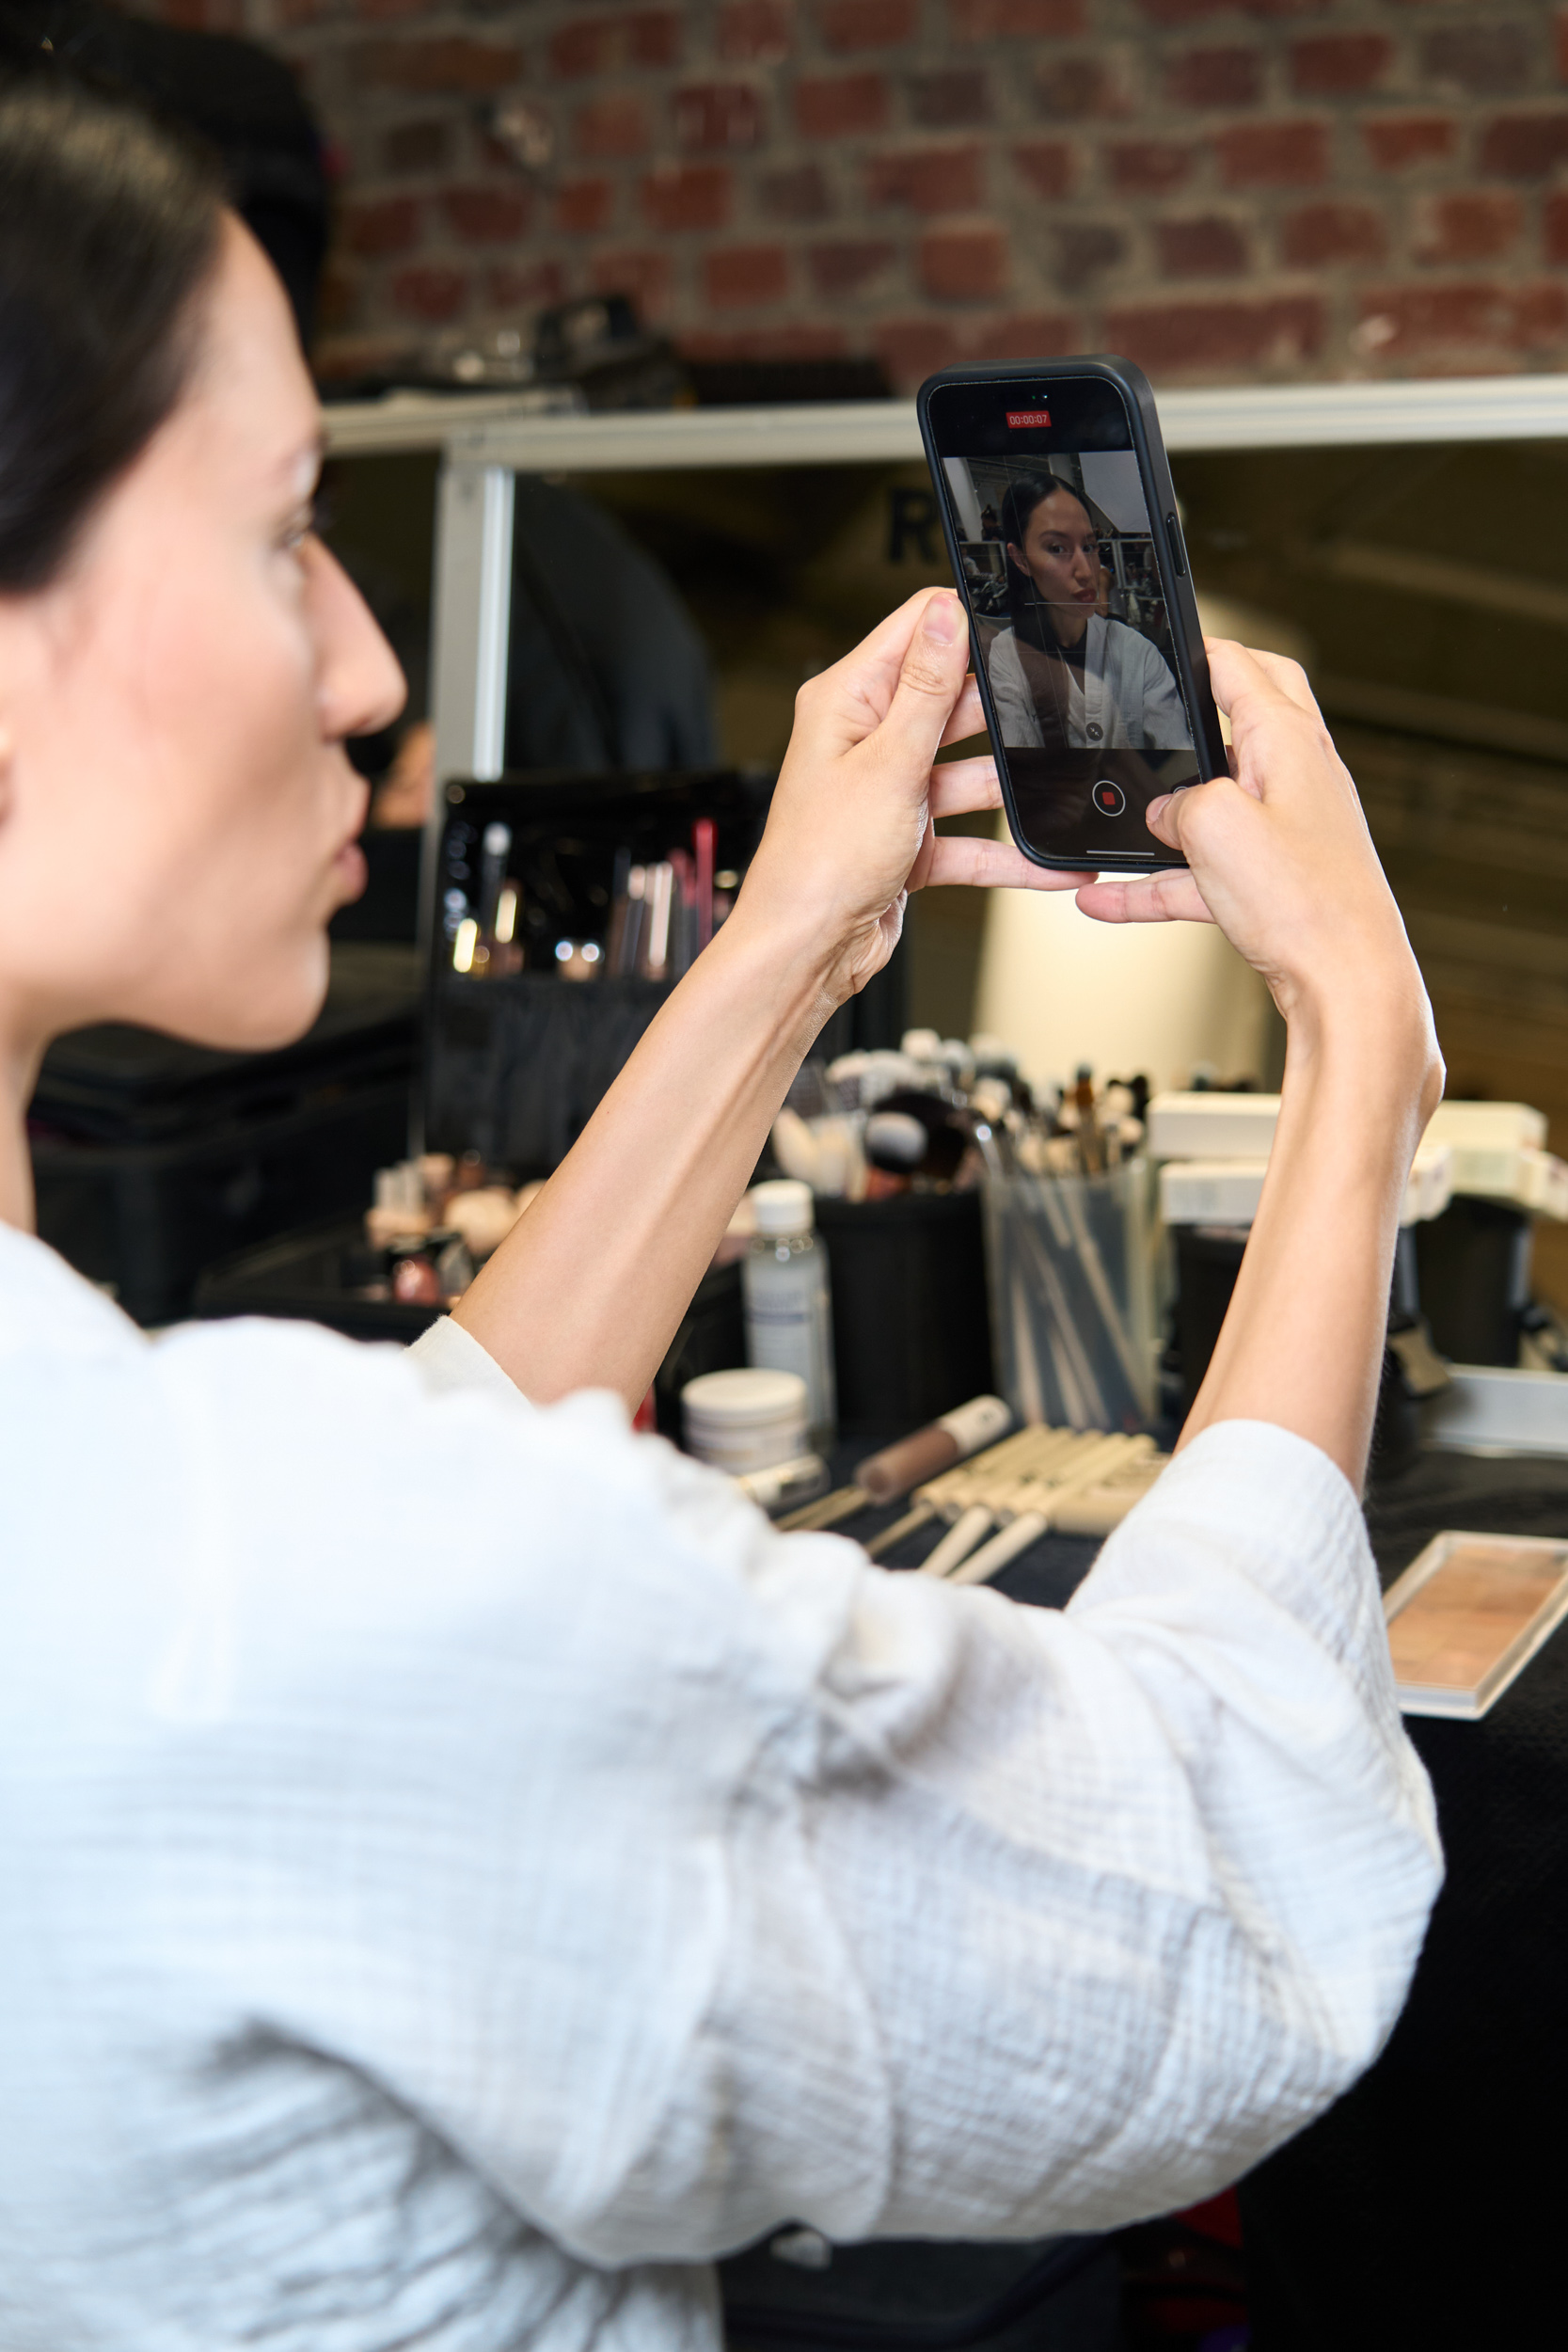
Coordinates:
(1070,1265)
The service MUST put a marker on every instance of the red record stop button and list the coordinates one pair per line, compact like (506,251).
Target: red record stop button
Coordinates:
(1109,797)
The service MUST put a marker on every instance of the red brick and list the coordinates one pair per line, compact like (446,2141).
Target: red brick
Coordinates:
(1414,320)
(1477,226)
(1047,164)
(575,50)
(426,291)
(689,195)
(1207,246)
(1338,65)
(1524,147)
(616,124)
(647,275)
(1215,77)
(389,225)
(816,342)
(953,100)
(1069,88)
(611,45)
(718,114)
(1555,228)
(418,147)
(798,193)
(1317,234)
(525,286)
(738,276)
(964,265)
(866,23)
(203,16)
(837,109)
(1210,337)
(755,32)
(583,207)
(1273,154)
(1019,19)
(911,349)
(927,179)
(1034,335)
(337,299)
(844,267)
(1395,142)
(1084,250)
(1480,60)
(448,62)
(1192,11)
(486,215)
(387,11)
(1147,167)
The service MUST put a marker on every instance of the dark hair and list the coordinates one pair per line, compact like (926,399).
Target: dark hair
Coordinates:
(110,230)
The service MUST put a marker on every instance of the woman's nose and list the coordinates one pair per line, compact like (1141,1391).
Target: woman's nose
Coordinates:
(361,687)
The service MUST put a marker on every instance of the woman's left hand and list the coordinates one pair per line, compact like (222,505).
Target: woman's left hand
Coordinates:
(851,829)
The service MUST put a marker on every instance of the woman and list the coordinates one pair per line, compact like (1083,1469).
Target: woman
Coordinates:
(1065,674)
(461,1869)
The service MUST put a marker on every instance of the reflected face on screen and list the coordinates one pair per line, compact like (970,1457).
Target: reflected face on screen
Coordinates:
(1075,641)
(1060,554)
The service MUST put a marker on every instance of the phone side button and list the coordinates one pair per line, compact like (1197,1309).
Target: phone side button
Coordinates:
(1177,552)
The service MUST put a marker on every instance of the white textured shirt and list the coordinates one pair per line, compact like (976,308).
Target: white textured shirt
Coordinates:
(1125,696)
(460,1870)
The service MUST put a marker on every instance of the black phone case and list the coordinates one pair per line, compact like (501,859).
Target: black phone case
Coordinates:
(1170,556)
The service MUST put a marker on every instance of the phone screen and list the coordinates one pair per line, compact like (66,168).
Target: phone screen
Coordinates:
(1059,569)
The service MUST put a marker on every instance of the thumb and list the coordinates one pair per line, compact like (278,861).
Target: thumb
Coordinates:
(930,680)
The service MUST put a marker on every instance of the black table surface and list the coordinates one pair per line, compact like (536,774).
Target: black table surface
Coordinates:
(1421,2212)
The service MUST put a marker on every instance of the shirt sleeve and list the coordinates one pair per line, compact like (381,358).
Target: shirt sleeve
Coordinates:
(1041,1921)
(449,1358)
(1164,725)
(1015,704)
(686,1877)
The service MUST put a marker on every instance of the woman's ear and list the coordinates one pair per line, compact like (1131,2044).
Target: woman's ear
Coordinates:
(1015,555)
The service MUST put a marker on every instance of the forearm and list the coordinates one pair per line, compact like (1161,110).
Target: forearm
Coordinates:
(589,1288)
(1302,1344)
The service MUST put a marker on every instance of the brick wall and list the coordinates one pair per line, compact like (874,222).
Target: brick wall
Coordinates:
(1220,188)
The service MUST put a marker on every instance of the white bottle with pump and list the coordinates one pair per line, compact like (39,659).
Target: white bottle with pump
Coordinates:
(789,1321)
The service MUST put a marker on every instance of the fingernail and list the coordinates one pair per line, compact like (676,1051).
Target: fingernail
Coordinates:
(1156,808)
(941,619)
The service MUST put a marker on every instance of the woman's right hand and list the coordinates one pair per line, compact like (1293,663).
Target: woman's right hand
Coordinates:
(1280,858)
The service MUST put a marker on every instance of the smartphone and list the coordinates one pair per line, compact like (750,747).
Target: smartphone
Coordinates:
(1060,516)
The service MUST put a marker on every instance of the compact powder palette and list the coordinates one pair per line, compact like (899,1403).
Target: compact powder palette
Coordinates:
(1468,1615)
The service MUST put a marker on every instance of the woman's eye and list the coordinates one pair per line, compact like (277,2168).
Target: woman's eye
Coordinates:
(310,522)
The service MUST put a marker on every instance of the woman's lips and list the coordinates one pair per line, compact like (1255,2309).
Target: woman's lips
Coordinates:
(350,873)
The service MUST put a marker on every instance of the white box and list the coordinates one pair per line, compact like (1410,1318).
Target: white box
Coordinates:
(1211,1192)
(1226,1192)
(1488,1126)
(1212,1126)
(1431,1185)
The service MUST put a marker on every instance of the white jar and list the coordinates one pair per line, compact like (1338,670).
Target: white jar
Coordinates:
(745,1420)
